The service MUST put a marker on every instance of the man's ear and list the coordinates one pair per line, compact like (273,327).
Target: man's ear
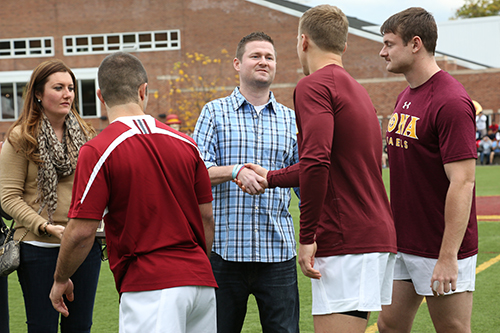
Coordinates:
(143,91)
(99,95)
(237,64)
(417,44)
(304,42)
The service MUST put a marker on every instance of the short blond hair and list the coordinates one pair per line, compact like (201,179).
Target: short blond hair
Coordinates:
(327,26)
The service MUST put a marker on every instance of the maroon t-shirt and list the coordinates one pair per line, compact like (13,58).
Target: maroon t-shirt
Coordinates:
(432,125)
(344,205)
(148,180)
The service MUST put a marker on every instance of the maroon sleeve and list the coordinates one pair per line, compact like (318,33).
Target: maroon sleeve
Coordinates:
(316,125)
(457,130)
(286,177)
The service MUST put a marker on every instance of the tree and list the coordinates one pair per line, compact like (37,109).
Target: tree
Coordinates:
(478,8)
(196,81)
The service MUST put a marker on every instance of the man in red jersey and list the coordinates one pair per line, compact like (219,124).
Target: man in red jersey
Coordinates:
(347,236)
(432,152)
(157,211)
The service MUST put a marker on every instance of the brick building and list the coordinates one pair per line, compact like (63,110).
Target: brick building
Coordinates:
(163,33)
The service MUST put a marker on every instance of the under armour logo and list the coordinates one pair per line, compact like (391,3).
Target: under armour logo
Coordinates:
(406,105)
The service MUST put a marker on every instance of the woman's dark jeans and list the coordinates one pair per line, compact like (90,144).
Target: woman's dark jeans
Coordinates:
(36,276)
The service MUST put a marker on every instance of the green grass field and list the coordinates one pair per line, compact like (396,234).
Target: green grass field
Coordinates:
(486,297)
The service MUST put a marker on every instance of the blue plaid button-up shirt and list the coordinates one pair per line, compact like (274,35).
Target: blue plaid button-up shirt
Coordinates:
(229,131)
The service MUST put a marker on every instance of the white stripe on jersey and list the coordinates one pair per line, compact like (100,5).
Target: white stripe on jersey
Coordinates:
(138,125)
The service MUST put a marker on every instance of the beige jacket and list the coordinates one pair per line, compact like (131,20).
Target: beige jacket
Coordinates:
(18,192)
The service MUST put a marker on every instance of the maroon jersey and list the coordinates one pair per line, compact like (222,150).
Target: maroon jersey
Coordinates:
(432,125)
(344,206)
(148,180)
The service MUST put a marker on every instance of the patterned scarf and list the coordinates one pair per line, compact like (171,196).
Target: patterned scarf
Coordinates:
(59,159)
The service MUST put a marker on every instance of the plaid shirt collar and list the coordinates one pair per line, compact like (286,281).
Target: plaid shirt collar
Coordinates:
(237,100)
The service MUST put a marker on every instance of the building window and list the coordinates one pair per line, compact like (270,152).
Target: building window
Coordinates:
(126,41)
(26,47)
(87,98)
(12,85)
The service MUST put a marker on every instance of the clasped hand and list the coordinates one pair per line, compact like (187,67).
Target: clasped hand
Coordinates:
(252,179)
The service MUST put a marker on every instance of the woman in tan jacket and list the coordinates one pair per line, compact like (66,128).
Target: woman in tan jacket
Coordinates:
(37,165)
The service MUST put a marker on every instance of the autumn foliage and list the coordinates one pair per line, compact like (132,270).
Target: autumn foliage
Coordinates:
(196,81)
(478,8)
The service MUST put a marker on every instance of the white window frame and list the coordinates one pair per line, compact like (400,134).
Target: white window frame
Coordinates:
(87,74)
(29,51)
(15,77)
(105,46)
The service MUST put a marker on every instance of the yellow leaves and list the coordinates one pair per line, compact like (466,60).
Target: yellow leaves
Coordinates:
(200,79)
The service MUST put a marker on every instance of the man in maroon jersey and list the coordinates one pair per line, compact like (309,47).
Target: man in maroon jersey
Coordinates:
(347,236)
(151,184)
(431,146)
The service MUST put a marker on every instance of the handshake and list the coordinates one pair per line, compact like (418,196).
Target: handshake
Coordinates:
(252,179)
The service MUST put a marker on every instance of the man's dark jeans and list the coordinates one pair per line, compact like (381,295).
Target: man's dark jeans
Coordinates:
(274,286)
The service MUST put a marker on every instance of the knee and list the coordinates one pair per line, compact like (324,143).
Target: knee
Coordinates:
(382,325)
(457,325)
(385,325)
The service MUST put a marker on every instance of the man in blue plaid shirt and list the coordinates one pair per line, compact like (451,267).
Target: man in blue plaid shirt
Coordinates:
(254,246)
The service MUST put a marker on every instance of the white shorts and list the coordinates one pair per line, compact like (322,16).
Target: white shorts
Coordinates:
(352,282)
(172,310)
(419,270)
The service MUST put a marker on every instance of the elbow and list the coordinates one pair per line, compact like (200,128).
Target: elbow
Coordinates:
(470,185)
(208,222)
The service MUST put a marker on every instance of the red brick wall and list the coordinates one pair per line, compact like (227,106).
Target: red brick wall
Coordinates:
(206,26)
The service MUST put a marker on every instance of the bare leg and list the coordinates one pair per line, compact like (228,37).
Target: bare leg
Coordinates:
(451,313)
(339,323)
(398,317)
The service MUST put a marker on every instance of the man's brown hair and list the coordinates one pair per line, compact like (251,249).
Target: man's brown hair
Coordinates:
(413,22)
(253,37)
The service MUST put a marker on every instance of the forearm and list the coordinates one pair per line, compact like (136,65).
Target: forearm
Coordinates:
(208,225)
(286,177)
(209,235)
(313,189)
(76,244)
(457,205)
(457,212)
(220,174)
